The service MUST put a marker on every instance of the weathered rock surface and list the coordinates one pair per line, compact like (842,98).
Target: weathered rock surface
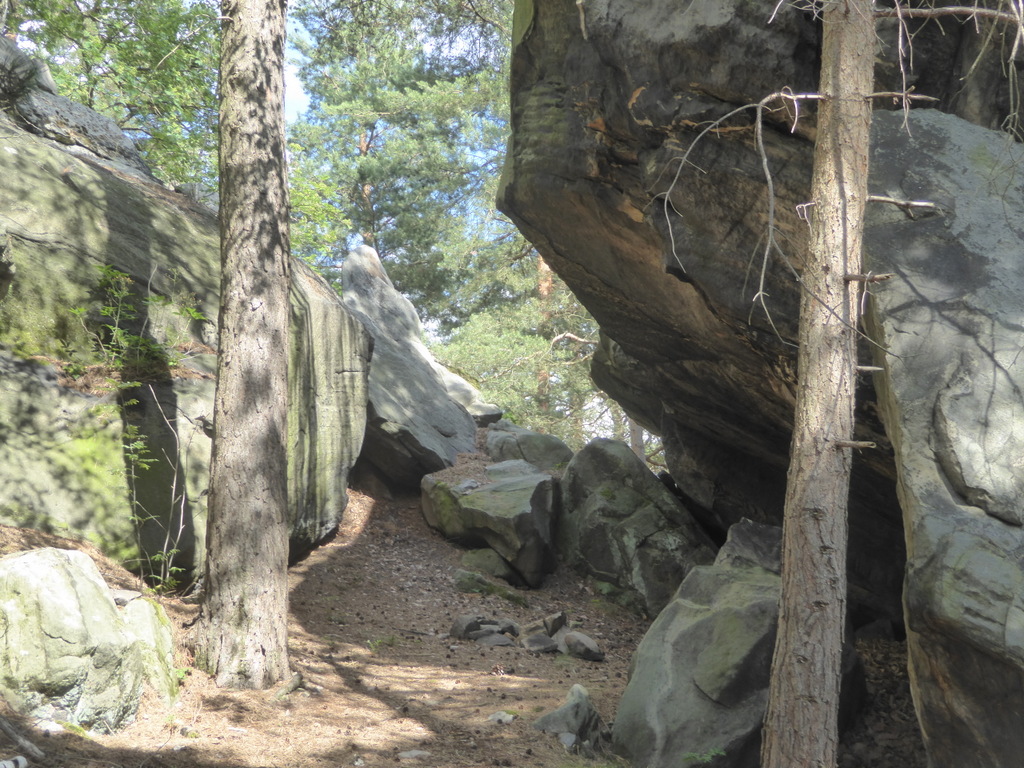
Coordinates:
(469,397)
(414,426)
(29,94)
(699,681)
(671,269)
(147,620)
(20,72)
(582,646)
(505,442)
(576,723)
(328,377)
(58,118)
(951,399)
(671,258)
(67,653)
(62,467)
(621,525)
(513,515)
(57,449)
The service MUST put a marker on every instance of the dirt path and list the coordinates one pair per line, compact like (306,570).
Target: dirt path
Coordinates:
(370,614)
(368,633)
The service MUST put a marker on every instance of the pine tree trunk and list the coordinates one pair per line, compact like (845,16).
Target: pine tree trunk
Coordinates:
(636,438)
(243,632)
(545,291)
(801,721)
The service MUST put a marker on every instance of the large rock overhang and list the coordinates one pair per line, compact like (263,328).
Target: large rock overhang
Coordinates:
(668,253)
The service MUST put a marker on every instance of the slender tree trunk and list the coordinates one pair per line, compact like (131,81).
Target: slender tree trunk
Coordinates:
(636,438)
(545,291)
(243,633)
(369,234)
(801,721)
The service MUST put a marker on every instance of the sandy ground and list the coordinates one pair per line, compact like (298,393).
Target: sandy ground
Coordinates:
(370,613)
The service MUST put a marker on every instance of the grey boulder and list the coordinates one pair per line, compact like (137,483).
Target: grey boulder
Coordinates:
(699,680)
(621,525)
(469,397)
(67,652)
(62,453)
(514,516)
(67,122)
(505,441)
(950,322)
(328,373)
(582,646)
(576,723)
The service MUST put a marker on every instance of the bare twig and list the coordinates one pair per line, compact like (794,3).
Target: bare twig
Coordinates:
(902,95)
(908,206)
(489,21)
(713,127)
(571,337)
(963,11)
(854,444)
(870,277)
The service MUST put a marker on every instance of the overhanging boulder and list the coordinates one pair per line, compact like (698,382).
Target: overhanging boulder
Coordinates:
(665,252)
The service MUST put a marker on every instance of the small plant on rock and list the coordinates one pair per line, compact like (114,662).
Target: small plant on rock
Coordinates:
(702,758)
(120,349)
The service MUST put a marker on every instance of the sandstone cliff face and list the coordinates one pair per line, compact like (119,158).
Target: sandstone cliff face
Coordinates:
(951,398)
(669,256)
(666,254)
(63,464)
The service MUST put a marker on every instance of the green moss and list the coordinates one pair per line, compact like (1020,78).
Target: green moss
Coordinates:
(75,729)
(67,473)
(36,316)
(982,158)
(446,509)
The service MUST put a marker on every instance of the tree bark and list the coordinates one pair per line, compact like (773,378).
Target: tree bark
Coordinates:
(801,722)
(636,439)
(545,291)
(243,631)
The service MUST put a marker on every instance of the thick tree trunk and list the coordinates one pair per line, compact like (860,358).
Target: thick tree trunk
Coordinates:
(801,721)
(243,633)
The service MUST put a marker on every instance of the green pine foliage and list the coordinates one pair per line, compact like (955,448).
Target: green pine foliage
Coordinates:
(401,149)
(407,123)
(150,66)
(505,354)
